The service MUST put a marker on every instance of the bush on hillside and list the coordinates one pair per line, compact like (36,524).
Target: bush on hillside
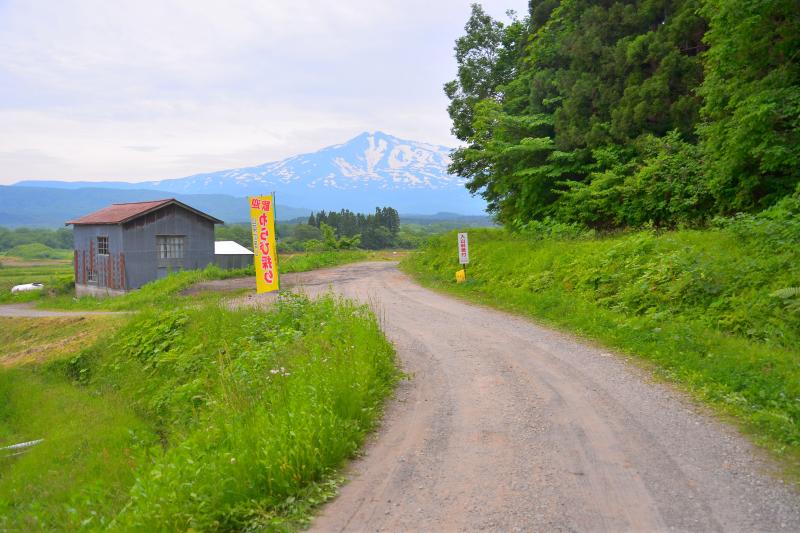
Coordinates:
(659,182)
(724,277)
(552,229)
(777,226)
(37,251)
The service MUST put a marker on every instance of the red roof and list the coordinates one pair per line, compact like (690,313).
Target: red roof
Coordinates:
(120,213)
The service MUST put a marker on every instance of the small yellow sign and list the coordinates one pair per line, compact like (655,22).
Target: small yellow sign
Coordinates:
(461,276)
(265,251)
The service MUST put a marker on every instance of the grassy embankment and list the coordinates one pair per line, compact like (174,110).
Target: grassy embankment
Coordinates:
(700,305)
(187,417)
(24,340)
(33,251)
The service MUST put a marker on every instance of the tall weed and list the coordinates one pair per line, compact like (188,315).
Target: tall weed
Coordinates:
(267,412)
(249,415)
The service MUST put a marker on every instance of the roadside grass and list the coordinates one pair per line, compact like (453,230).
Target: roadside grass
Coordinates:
(161,293)
(697,304)
(186,414)
(24,340)
(81,473)
(280,400)
(238,419)
(314,260)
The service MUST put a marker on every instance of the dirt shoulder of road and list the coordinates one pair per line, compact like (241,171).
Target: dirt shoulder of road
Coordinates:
(28,310)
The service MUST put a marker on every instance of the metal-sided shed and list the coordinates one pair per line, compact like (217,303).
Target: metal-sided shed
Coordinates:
(123,246)
(231,254)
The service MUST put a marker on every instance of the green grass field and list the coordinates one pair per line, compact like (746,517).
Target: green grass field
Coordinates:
(189,418)
(303,262)
(35,250)
(16,271)
(699,305)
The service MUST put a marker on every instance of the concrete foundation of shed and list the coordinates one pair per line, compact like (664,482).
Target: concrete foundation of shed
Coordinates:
(97,292)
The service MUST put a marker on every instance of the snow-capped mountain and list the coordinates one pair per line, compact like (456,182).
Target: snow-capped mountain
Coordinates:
(371,160)
(369,170)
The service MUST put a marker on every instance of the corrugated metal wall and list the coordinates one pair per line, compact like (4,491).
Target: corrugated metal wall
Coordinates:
(133,258)
(109,269)
(140,239)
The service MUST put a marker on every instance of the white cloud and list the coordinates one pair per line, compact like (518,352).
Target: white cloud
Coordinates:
(140,90)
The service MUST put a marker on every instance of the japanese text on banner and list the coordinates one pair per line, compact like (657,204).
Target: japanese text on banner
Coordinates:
(262,220)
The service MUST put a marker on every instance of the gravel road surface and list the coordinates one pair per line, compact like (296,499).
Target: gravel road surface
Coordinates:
(509,426)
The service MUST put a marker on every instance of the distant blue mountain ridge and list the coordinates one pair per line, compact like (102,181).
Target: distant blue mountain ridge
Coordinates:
(372,169)
(51,206)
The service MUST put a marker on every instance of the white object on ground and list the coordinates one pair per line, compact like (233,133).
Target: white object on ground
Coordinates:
(27,287)
(22,447)
(27,444)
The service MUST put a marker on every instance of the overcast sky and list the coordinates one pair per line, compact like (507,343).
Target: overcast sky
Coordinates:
(137,90)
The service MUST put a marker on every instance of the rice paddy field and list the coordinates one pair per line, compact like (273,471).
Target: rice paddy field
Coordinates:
(16,270)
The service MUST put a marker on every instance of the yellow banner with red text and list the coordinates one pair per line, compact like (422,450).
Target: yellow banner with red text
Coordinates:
(262,220)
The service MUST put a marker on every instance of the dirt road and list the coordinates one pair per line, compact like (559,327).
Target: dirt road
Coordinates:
(509,426)
(28,310)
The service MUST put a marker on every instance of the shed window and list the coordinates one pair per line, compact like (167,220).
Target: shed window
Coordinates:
(170,247)
(91,275)
(102,245)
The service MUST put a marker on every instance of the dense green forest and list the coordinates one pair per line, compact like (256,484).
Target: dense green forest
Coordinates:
(331,230)
(614,113)
(12,238)
(377,230)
